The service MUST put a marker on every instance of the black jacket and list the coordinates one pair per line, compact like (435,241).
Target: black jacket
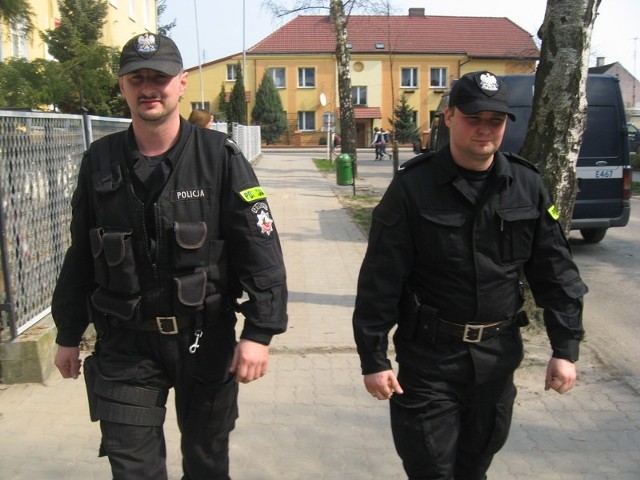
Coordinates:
(205,236)
(465,258)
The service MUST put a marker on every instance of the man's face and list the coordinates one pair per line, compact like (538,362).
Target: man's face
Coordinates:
(152,96)
(475,138)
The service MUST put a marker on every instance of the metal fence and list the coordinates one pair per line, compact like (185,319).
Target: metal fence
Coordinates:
(40,155)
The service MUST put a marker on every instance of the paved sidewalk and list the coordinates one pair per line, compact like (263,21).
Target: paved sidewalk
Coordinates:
(310,417)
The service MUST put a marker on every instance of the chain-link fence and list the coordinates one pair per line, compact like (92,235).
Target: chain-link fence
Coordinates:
(40,154)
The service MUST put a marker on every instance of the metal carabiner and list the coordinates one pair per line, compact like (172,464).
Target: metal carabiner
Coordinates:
(196,344)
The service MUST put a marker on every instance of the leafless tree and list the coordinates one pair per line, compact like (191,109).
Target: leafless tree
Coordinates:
(558,117)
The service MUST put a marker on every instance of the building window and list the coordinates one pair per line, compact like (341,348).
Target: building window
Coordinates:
(409,78)
(306,77)
(414,117)
(232,72)
(359,95)
(18,35)
(307,121)
(438,78)
(278,75)
(205,106)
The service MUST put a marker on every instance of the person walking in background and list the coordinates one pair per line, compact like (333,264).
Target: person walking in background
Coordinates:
(170,228)
(201,118)
(376,143)
(384,139)
(452,241)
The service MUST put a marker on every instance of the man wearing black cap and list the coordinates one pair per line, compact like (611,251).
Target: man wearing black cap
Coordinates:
(452,240)
(170,228)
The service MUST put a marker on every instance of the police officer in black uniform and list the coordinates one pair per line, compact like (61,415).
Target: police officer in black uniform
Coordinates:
(452,240)
(170,229)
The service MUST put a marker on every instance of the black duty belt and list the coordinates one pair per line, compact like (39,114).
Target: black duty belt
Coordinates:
(164,325)
(473,332)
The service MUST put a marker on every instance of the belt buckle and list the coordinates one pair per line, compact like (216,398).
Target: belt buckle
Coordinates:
(472,333)
(167,325)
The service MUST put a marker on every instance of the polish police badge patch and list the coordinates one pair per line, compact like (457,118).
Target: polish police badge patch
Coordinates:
(264,221)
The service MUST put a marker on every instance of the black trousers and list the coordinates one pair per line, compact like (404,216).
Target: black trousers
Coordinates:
(205,400)
(456,429)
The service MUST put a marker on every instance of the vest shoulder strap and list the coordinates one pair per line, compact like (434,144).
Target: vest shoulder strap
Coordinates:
(105,154)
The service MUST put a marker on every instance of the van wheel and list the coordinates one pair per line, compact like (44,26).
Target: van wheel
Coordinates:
(593,235)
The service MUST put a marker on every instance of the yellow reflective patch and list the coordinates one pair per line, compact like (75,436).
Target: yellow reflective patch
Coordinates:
(553,211)
(253,194)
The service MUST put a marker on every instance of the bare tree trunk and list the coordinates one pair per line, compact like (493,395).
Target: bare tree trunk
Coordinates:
(558,117)
(343,59)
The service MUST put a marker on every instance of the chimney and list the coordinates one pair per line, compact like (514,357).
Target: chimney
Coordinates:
(416,12)
(599,61)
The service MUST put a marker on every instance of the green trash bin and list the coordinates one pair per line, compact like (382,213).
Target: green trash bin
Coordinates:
(344,169)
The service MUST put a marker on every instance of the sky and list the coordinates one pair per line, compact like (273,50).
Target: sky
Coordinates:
(220,30)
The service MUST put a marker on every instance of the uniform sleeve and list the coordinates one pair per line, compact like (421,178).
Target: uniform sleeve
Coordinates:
(75,281)
(556,284)
(255,254)
(384,270)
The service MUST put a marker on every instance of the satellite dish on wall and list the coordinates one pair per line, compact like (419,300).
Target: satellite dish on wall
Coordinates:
(323,100)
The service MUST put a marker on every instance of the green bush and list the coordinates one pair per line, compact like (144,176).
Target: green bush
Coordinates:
(634,160)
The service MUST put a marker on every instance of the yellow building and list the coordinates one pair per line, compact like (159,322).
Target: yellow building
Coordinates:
(415,55)
(124,19)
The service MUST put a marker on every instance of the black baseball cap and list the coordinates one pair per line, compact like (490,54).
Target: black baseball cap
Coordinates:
(152,51)
(480,91)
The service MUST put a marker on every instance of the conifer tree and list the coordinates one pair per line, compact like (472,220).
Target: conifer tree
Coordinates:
(221,113)
(268,111)
(404,128)
(237,107)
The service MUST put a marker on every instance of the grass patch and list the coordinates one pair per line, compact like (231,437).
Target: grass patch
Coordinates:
(324,165)
(359,208)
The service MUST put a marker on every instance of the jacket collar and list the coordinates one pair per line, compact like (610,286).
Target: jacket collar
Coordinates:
(448,171)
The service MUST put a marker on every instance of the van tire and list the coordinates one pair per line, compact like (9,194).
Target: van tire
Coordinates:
(593,235)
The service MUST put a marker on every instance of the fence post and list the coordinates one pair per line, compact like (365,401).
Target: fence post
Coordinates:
(6,277)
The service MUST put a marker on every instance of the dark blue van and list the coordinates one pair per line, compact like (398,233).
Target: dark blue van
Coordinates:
(603,171)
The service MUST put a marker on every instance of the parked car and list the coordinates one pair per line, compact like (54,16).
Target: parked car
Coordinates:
(634,138)
(603,170)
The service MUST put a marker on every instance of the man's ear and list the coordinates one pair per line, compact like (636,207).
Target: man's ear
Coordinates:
(183,82)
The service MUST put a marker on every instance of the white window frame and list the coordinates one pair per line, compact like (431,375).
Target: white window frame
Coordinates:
(18,40)
(440,79)
(303,82)
(273,70)
(232,72)
(305,117)
(357,92)
(413,80)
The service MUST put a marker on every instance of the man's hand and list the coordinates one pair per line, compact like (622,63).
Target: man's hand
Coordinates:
(249,361)
(382,385)
(561,375)
(68,361)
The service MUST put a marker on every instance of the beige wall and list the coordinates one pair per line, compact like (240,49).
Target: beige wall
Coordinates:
(120,25)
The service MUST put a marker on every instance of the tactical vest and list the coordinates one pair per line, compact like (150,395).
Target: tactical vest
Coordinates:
(187,273)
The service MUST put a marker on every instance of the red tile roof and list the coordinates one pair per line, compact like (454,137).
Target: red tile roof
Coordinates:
(365,112)
(479,37)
